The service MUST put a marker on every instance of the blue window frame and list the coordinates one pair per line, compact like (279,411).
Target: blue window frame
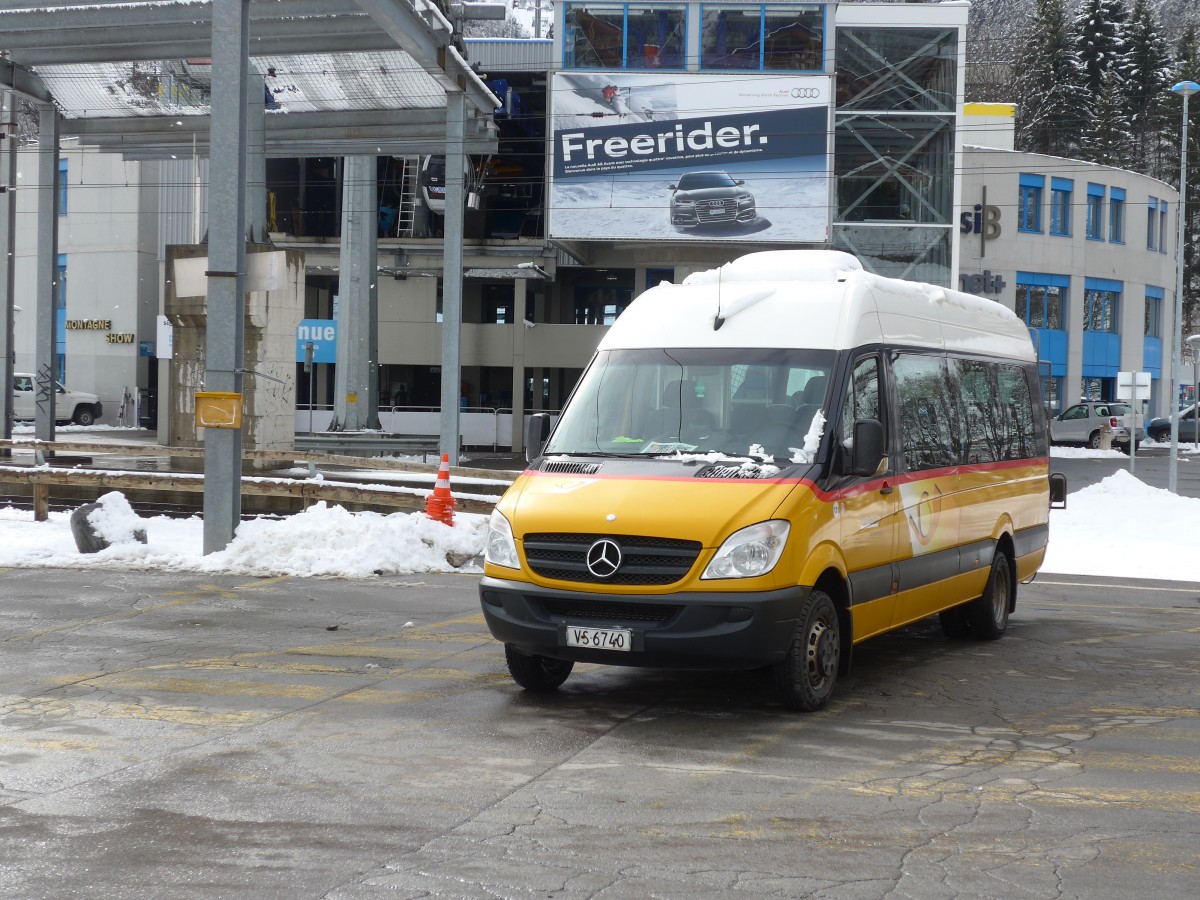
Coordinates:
(1162,226)
(625,36)
(1060,205)
(1042,300)
(1152,224)
(1095,212)
(1029,203)
(766,36)
(1116,215)
(60,317)
(1101,305)
(62,187)
(1154,301)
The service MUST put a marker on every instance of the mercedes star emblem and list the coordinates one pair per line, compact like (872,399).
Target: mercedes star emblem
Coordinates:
(604,558)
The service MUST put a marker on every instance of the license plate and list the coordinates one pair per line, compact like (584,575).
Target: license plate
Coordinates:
(600,638)
(716,212)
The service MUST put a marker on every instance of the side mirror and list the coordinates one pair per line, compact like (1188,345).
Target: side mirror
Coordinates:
(673,187)
(537,429)
(868,450)
(1058,491)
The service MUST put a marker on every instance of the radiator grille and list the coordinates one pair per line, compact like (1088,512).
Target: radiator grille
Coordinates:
(644,560)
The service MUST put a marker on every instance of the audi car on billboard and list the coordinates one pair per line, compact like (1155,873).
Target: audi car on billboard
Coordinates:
(710,198)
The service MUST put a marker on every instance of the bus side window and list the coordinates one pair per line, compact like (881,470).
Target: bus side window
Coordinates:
(862,399)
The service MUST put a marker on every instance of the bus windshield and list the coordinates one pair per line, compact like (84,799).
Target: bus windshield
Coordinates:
(739,402)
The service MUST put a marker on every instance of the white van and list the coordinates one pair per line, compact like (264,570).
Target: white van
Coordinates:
(766,466)
(69,406)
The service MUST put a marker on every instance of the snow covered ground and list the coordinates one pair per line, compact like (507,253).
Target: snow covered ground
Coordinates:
(1119,527)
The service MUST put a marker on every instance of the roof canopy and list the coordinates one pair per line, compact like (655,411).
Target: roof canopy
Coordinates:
(340,76)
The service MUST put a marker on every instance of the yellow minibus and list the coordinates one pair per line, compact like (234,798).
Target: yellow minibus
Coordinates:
(767,465)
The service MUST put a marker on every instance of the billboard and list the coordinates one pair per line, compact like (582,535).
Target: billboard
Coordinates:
(690,157)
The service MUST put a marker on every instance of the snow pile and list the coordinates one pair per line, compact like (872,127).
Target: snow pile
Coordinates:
(321,541)
(1122,526)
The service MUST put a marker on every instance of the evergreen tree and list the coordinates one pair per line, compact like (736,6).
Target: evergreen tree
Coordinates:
(1148,90)
(1100,28)
(1052,104)
(1106,140)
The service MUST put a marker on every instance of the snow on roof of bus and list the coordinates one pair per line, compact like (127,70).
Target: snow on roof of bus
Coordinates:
(781,265)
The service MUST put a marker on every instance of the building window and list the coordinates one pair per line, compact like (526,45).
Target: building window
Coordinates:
(754,36)
(1162,226)
(1029,203)
(62,187)
(1095,212)
(1154,299)
(625,35)
(1100,310)
(1116,216)
(1060,205)
(1041,305)
(1152,225)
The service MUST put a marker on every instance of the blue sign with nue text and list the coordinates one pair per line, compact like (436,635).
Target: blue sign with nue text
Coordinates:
(323,335)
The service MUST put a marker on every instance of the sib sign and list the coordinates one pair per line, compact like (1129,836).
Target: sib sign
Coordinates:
(323,334)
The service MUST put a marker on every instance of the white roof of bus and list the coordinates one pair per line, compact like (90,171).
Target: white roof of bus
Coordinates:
(820,299)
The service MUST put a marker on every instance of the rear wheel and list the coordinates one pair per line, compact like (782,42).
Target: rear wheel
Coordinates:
(1094,440)
(536,673)
(806,676)
(988,614)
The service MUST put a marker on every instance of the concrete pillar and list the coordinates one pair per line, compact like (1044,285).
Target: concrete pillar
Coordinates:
(452,272)
(518,365)
(256,161)
(356,391)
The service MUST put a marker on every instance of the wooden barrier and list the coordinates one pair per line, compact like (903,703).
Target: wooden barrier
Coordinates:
(42,477)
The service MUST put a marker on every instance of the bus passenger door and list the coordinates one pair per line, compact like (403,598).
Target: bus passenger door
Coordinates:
(866,506)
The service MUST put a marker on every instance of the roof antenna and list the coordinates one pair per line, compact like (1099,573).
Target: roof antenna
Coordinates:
(719,320)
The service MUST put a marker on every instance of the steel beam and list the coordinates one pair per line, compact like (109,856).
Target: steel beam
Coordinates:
(226,312)
(8,258)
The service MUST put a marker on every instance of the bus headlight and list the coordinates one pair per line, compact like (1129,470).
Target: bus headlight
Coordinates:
(752,551)
(500,548)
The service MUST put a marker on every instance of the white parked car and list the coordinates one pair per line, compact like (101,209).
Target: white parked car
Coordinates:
(1083,423)
(69,406)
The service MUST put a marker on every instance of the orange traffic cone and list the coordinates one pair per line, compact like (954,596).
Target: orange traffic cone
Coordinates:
(440,504)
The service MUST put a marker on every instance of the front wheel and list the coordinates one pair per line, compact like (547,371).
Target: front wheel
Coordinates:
(988,613)
(806,676)
(536,673)
(85,416)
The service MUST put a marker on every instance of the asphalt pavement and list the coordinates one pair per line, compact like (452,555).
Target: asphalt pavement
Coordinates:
(208,736)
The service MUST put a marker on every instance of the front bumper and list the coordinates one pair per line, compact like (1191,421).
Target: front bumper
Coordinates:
(687,630)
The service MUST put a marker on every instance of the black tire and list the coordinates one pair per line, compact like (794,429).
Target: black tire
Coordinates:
(1159,436)
(806,677)
(540,674)
(988,614)
(1094,440)
(85,415)
(955,623)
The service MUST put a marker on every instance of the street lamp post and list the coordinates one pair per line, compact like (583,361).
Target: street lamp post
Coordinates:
(1185,89)
(1194,343)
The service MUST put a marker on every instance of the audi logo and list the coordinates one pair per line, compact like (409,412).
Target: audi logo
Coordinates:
(604,558)
(806,93)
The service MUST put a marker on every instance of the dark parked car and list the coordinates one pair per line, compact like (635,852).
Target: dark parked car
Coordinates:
(710,198)
(1159,430)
